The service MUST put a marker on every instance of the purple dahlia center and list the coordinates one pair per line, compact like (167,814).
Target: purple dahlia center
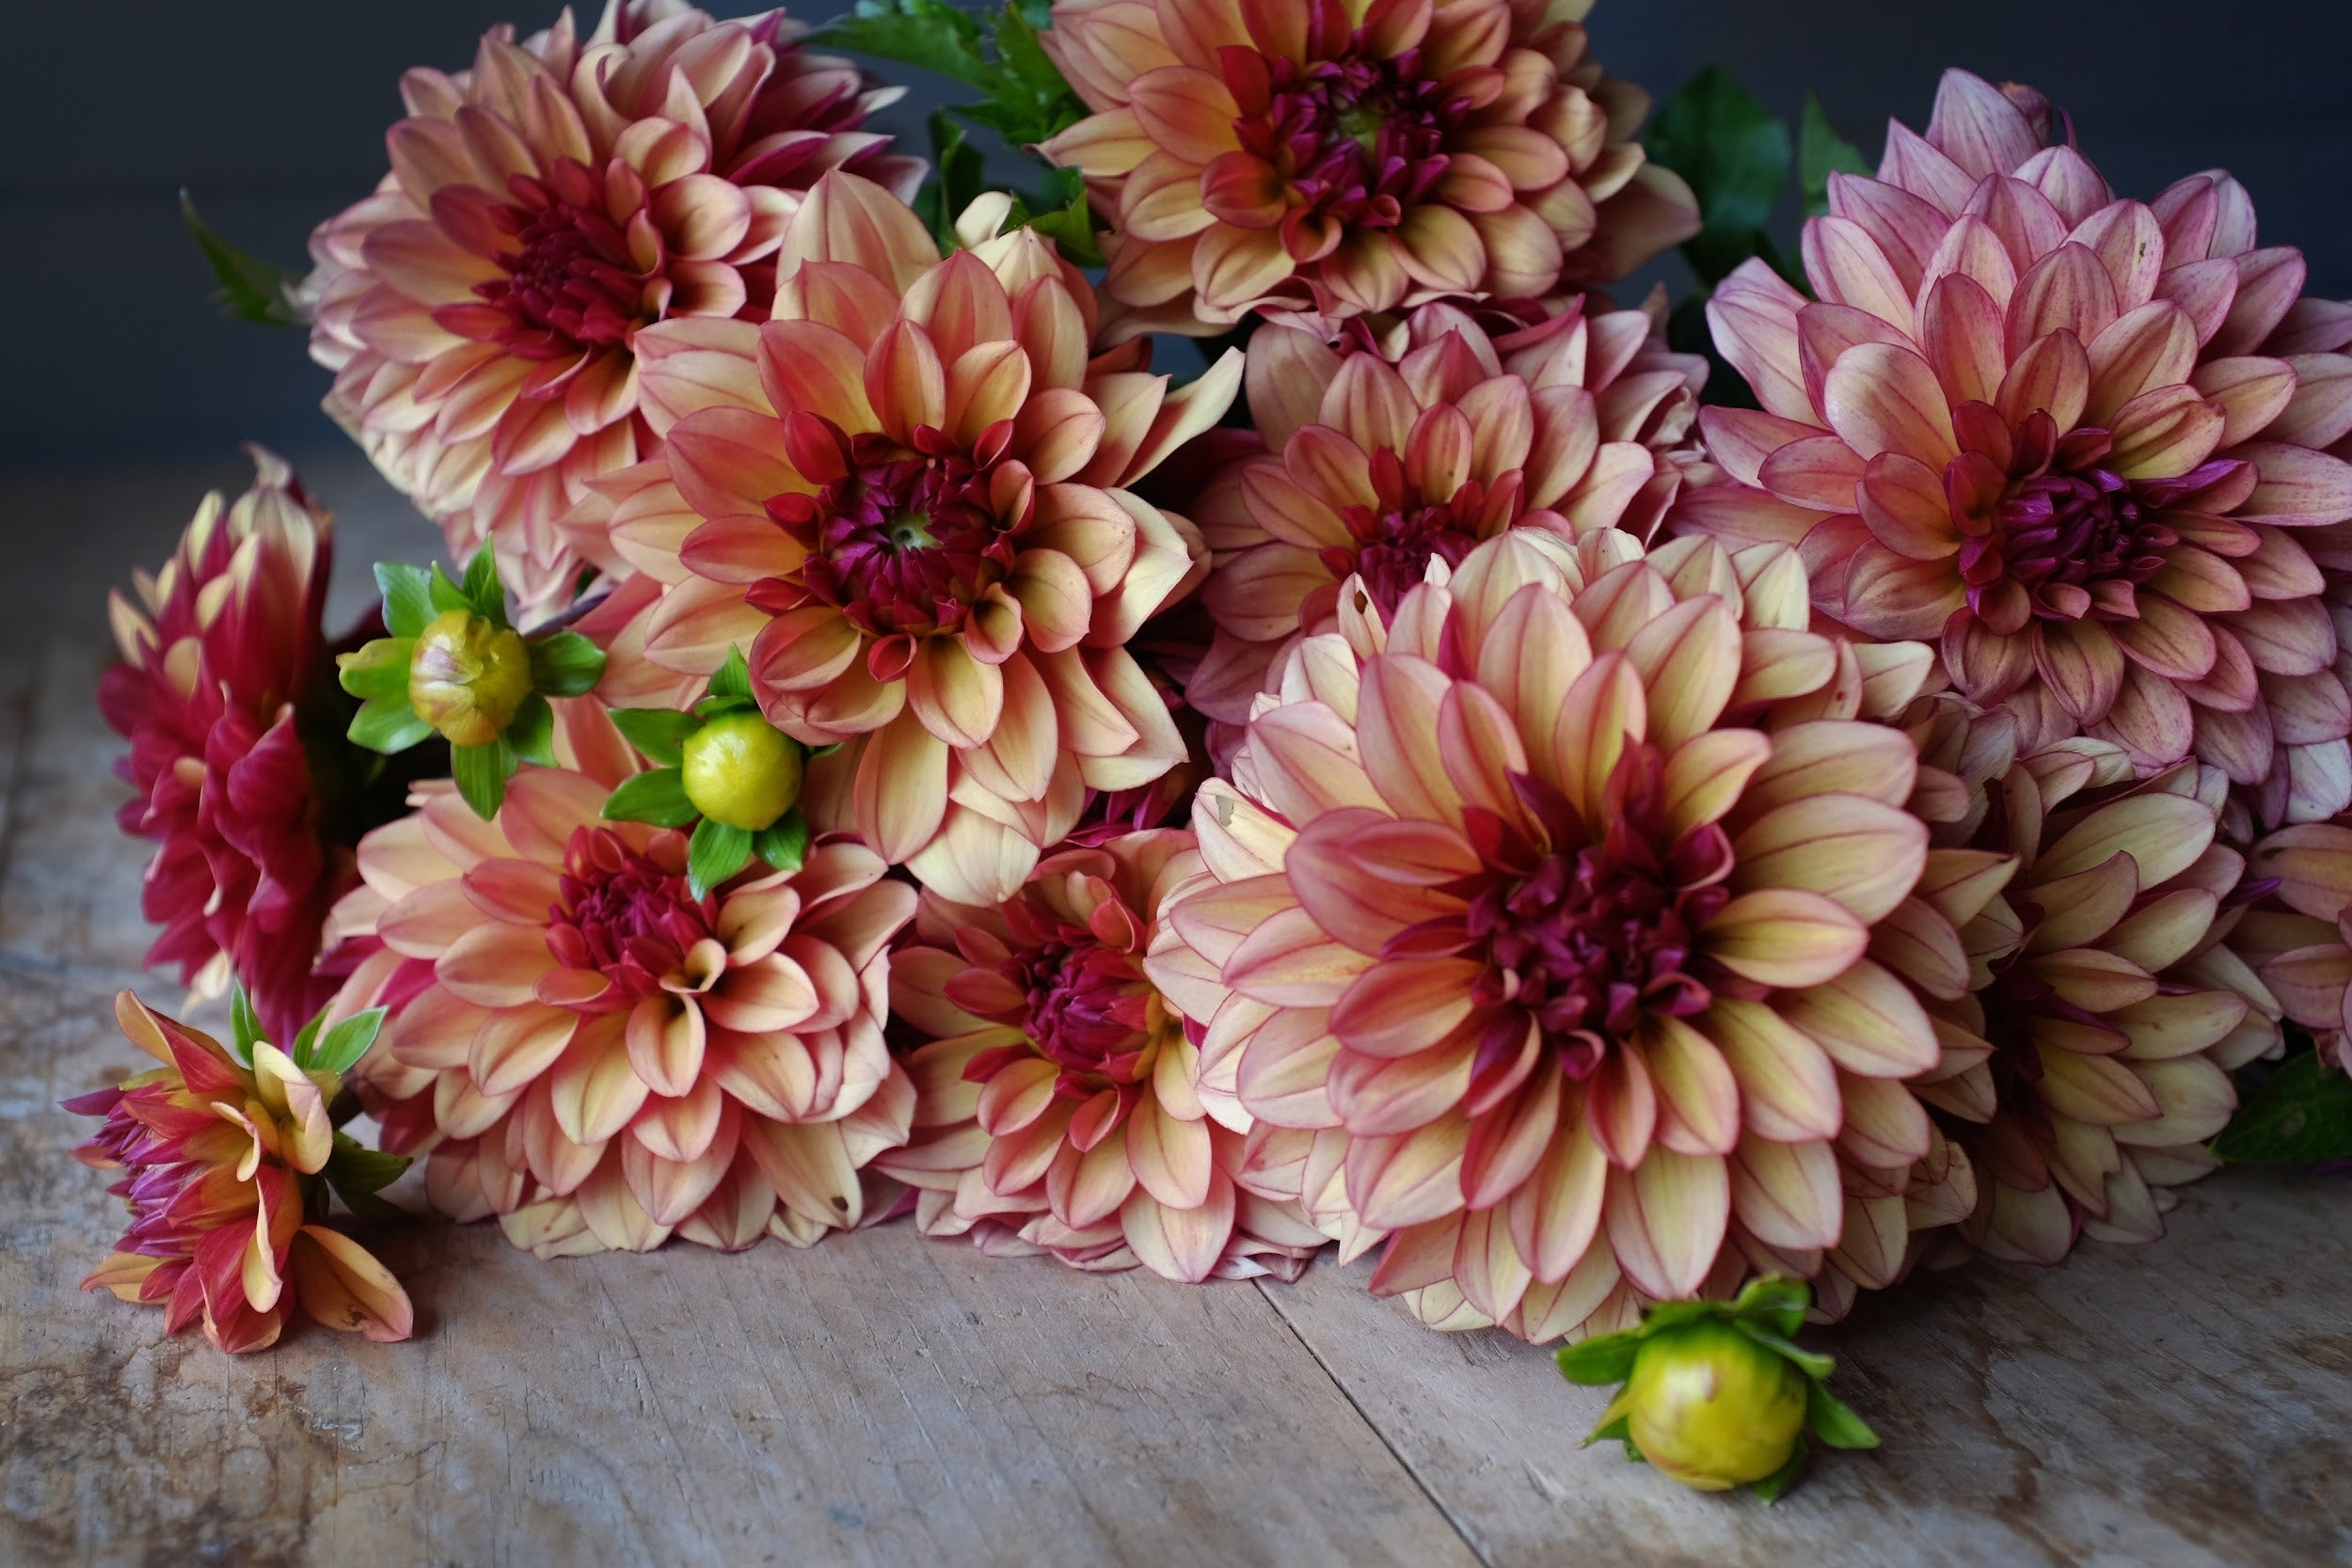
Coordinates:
(1586,933)
(1083,1003)
(1396,537)
(1361,139)
(623,915)
(573,283)
(904,541)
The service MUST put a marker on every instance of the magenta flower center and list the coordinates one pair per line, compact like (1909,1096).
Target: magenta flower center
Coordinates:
(623,915)
(1083,1003)
(1358,138)
(1397,536)
(899,540)
(572,284)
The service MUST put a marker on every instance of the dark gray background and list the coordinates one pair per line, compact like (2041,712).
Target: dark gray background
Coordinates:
(273,112)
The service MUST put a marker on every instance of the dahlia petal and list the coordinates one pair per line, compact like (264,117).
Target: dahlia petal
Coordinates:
(1666,1221)
(1178,1241)
(495,964)
(2163,833)
(1882,398)
(1396,1182)
(514,1045)
(1788,1087)
(1787,1194)
(1847,267)
(1785,937)
(1699,1096)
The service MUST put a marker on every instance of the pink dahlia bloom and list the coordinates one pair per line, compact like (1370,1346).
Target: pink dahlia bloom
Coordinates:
(2301,938)
(480,309)
(1055,1107)
(600,1059)
(1342,158)
(1537,956)
(2074,438)
(225,675)
(1413,440)
(218,1159)
(905,498)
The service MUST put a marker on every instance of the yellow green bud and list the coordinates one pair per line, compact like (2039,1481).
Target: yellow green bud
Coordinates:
(742,771)
(1710,1407)
(467,677)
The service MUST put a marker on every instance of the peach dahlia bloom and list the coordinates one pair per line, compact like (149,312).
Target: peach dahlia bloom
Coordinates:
(218,1160)
(1055,1106)
(1417,438)
(600,1059)
(905,498)
(2300,939)
(2090,921)
(1338,156)
(479,309)
(1539,959)
(2071,436)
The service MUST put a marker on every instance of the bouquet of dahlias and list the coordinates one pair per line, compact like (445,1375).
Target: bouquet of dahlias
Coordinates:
(1654,819)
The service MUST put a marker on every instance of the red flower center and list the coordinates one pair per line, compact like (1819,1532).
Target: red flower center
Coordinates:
(573,285)
(622,914)
(1083,1003)
(1587,934)
(899,540)
(1400,532)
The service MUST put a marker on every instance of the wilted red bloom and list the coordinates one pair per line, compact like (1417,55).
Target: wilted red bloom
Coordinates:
(218,1159)
(1055,1106)
(1336,157)
(2078,439)
(224,678)
(479,309)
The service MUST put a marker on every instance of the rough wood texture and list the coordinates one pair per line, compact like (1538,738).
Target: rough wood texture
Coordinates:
(883,1400)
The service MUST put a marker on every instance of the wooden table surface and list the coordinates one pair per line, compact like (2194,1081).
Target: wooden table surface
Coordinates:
(884,1399)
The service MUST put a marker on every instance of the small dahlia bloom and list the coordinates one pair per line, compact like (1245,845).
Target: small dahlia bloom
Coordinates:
(2303,947)
(1341,157)
(1543,914)
(599,1058)
(2075,943)
(478,310)
(1414,440)
(905,498)
(2077,439)
(225,677)
(218,1159)
(1055,1106)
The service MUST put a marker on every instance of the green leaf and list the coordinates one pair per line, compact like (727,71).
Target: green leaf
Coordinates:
(1831,1421)
(531,734)
(957,176)
(2301,1118)
(1808,1362)
(1605,1358)
(482,589)
(346,1043)
(1735,156)
(447,596)
(1772,1487)
(482,772)
(377,668)
(732,679)
(250,289)
(715,853)
(387,724)
(408,596)
(358,1173)
(565,665)
(928,34)
(658,798)
(657,732)
(245,1024)
(304,1043)
(1821,152)
(784,843)
(1071,227)
(1031,96)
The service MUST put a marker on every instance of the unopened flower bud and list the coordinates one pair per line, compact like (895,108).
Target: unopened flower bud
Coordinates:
(742,771)
(1711,1408)
(467,677)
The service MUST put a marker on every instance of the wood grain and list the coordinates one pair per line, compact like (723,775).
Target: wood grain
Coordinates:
(882,1399)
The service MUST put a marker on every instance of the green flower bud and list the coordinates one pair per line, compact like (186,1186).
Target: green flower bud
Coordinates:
(1710,1407)
(742,771)
(467,677)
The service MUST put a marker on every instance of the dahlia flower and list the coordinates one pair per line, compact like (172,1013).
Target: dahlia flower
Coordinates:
(479,309)
(2303,950)
(1416,442)
(2087,1058)
(218,1159)
(1340,157)
(600,1058)
(2070,436)
(904,497)
(1537,958)
(1055,1109)
(225,677)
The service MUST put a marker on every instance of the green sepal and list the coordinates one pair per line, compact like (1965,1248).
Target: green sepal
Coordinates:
(2301,1116)
(482,589)
(719,707)
(377,668)
(1619,1430)
(446,595)
(1821,152)
(346,1043)
(250,289)
(565,665)
(305,1041)
(657,797)
(387,724)
(245,1024)
(1777,1302)
(784,843)
(658,733)
(408,596)
(1812,1365)
(357,1173)
(482,772)
(731,679)
(1605,1358)
(715,853)
(531,734)
(1773,1486)
(1832,1420)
